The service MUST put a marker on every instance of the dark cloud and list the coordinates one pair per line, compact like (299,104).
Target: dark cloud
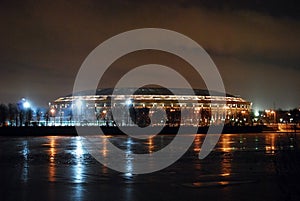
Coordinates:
(253,43)
(275,8)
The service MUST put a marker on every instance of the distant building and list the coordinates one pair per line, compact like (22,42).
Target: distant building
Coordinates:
(149,106)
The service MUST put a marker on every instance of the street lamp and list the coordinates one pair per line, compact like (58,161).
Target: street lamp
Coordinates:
(52,112)
(104,112)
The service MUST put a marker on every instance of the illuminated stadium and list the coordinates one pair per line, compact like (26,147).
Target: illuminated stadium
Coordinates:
(149,106)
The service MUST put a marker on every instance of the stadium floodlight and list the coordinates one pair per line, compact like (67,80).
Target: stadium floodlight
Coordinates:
(128,102)
(26,104)
(78,103)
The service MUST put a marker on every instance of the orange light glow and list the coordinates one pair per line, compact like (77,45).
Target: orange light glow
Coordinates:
(197,143)
(151,146)
(52,153)
(270,144)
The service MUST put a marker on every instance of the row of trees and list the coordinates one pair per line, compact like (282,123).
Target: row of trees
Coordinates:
(291,116)
(13,114)
(277,116)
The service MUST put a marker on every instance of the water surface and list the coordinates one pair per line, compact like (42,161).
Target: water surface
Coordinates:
(263,166)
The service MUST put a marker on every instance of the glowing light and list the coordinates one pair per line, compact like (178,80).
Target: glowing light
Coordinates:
(129,158)
(79,149)
(256,113)
(197,143)
(52,111)
(25,153)
(128,102)
(26,104)
(225,174)
(52,153)
(128,174)
(78,103)
(151,146)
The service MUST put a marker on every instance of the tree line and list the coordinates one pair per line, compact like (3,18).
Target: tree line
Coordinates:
(13,114)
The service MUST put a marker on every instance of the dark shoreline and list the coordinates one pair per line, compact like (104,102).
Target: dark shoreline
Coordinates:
(71,130)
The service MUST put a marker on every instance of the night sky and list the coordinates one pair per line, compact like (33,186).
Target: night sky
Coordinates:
(255,44)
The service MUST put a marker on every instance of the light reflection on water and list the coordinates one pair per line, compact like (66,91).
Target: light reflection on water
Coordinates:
(129,158)
(63,162)
(52,153)
(197,144)
(270,144)
(69,152)
(57,154)
(150,145)
(25,153)
(78,169)
(226,144)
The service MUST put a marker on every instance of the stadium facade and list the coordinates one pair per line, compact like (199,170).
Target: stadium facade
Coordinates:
(149,106)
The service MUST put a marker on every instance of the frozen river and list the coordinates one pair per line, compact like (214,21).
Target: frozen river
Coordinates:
(263,166)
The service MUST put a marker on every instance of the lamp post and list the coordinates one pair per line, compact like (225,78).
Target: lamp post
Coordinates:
(104,117)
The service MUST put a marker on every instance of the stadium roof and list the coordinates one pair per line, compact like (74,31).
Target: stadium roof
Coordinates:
(150,91)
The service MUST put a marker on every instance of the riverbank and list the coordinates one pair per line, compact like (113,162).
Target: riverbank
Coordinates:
(71,130)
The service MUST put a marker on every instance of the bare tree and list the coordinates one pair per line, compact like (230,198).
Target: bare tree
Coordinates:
(3,114)
(13,114)
(47,116)
(38,114)
(28,116)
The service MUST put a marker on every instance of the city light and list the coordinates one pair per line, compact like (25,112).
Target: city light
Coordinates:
(128,102)
(52,111)
(26,104)
(141,103)
(271,114)
(78,103)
